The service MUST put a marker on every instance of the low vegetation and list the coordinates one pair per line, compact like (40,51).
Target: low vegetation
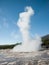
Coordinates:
(8,46)
(45,40)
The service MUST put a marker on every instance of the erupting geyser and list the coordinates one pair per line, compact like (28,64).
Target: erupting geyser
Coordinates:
(28,44)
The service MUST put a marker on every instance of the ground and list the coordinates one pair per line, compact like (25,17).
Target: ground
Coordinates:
(7,57)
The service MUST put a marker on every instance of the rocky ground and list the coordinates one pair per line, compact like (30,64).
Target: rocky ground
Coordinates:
(34,58)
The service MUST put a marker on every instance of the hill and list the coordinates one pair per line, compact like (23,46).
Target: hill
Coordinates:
(45,40)
(8,46)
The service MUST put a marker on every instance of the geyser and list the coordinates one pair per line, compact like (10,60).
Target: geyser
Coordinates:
(28,44)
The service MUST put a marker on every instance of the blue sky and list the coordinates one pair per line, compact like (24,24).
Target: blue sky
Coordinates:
(9,14)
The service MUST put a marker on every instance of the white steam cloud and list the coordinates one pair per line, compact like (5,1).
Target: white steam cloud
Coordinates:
(28,44)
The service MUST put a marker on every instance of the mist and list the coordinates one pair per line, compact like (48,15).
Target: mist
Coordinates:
(28,44)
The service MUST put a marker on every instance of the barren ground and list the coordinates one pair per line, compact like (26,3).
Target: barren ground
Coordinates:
(33,58)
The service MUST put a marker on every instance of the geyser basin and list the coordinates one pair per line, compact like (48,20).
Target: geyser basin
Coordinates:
(28,44)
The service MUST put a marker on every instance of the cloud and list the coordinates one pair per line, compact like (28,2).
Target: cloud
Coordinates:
(0,10)
(14,35)
(0,26)
(5,23)
(3,19)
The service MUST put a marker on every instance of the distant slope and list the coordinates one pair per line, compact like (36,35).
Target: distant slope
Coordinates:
(45,37)
(9,46)
(45,40)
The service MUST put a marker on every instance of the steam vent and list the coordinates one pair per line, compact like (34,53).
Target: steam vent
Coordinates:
(28,44)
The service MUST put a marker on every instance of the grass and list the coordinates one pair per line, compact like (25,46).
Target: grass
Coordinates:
(9,46)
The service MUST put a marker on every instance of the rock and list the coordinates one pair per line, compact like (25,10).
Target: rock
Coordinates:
(32,58)
(43,62)
(4,63)
(12,63)
(27,62)
(30,63)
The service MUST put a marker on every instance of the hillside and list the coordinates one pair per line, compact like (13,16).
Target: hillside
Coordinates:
(8,46)
(45,37)
(45,40)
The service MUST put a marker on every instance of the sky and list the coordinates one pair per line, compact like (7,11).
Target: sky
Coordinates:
(9,15)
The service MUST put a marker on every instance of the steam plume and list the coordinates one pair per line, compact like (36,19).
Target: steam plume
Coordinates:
(28,44)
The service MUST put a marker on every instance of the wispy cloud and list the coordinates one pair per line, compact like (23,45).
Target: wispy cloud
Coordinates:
(5,23)
(14,35)
(0,26)
(0,10)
